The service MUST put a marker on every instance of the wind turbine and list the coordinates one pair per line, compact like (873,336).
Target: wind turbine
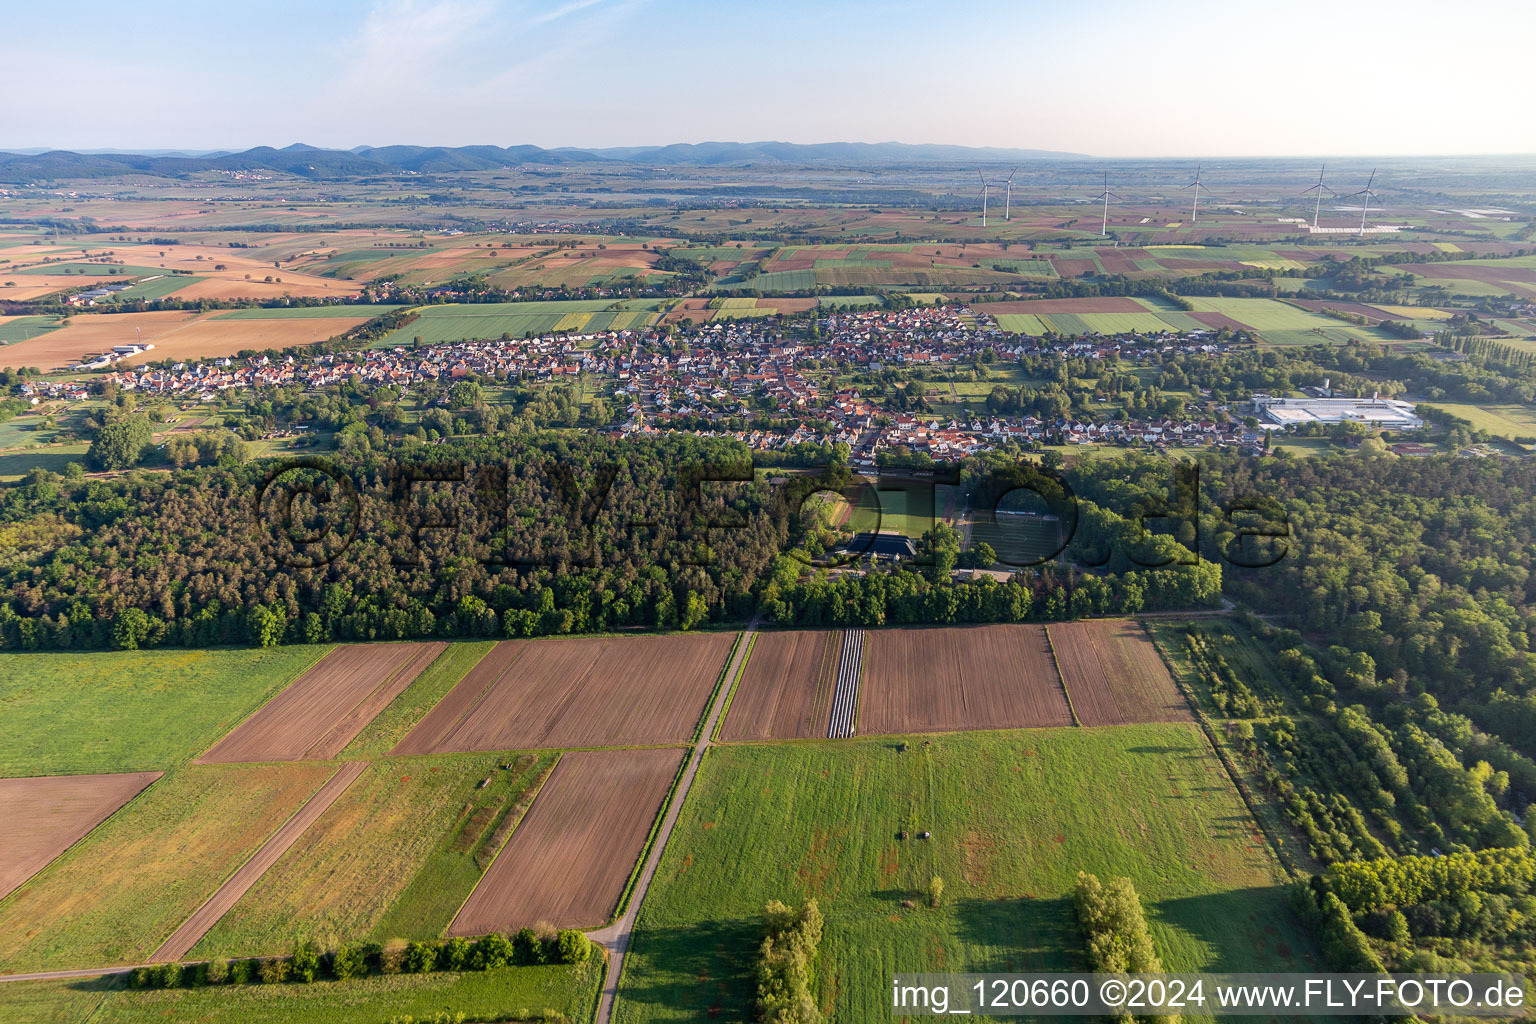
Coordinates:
(1008,195)
(1197,185)
(1106,195)
(1366,205)
(1319,188)
(984,186)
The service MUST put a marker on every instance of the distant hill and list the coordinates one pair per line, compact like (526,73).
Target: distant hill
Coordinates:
(376,161)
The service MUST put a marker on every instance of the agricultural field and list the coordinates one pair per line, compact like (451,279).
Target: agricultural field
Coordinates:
(395,855)
(947,679)
(321,712)
(176,334)
(1113,674)
(568,862)
(1502,419)
(558,693)
(1013,818)
(785,689)
(120,892)
(335,312)
(65,711)
(1274,320)
(46,815)
(448,323)
(249,873)
(480,995)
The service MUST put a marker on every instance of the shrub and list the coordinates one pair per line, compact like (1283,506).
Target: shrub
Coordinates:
(306,962)
(216,972)
(241,972)
(349,962)
(453,954)
(420,957)
(168,975)
(935,891)
(143,977)
(490,951)
(573,946)
(392,956)
(274,970)
(527,947)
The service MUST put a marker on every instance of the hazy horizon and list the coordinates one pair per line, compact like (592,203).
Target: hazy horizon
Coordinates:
(1107,79)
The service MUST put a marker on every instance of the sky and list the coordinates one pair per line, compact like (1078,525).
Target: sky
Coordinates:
(1100,77)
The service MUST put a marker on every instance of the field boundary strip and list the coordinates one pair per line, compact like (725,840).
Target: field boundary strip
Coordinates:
(1061,677)
(428,743)
(725,709)
(258,864)
(1276,848)
(845,698)
(722,679)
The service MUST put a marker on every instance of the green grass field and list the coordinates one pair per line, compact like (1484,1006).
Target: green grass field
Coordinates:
(498,995)
(53,457)
(156,288)
(345,873)
(450,323)
(92,270)
(1506,419)
(24,327)
(1014,816)
(124,711)
(121,891)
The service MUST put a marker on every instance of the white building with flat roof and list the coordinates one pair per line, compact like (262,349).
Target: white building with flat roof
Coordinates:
(1384,413)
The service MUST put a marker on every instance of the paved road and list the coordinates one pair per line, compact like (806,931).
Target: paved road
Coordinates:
(616,936)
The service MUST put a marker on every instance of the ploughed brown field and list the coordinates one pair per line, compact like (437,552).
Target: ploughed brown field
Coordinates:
(785,691)
(1114,673)
(962,677)
(599,692)
(320,712)
(568,861)
(45,816)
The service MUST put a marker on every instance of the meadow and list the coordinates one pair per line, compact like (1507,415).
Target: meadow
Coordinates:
(1013,817)
(344,875)
(1504,419)
(489,995)
(67,712)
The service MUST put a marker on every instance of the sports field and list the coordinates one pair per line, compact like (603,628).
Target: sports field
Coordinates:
(66,712)
(1012,818)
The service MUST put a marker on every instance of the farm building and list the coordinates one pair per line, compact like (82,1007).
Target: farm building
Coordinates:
(1389,413)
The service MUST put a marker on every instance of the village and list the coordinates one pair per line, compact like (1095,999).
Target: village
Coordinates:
(711,378)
